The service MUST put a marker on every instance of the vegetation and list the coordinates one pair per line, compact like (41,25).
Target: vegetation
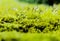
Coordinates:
(49,2)
(29,22)
(30,19)
(16,36)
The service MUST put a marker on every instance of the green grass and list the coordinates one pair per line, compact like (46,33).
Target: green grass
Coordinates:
(29,22)
(16,36)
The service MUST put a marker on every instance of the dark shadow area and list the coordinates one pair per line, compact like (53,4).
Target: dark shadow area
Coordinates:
(49,2)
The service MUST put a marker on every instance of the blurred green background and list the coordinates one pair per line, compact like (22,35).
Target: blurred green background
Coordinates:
(41,1)
(34,1)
